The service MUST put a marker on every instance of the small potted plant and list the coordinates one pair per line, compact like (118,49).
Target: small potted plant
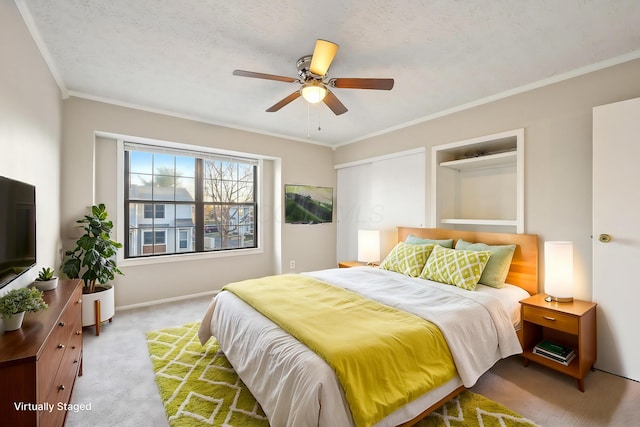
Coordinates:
(46,280)
(16,302)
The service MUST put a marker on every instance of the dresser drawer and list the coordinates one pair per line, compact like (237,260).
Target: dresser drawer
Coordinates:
(559,321)
(58,392)
(60,389)
(51,356)
(64,335)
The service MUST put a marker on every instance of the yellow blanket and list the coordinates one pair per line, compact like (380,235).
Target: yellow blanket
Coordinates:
(383,357)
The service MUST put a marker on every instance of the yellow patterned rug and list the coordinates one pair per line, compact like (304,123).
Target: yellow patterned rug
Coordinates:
(199,387)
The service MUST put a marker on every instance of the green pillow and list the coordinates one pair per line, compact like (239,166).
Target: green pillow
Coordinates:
(407,259)
(495,273)
(455,267)
(413,240)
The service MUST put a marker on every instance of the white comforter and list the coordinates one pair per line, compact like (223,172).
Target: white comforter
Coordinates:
(295,387)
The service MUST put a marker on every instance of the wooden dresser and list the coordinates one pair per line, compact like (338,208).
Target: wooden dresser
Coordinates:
(40,361)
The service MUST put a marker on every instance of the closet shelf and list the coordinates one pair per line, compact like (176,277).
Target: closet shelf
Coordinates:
(487,161)
(463,221)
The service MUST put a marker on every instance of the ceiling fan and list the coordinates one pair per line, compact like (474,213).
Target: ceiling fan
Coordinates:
(312,75)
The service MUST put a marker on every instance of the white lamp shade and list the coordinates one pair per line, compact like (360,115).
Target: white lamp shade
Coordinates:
(368,246)
(313,91)
(558,270)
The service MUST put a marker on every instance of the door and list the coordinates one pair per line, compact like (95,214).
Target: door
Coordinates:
(616,236)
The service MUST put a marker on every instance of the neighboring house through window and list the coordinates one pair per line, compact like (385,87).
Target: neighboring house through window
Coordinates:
(185,201)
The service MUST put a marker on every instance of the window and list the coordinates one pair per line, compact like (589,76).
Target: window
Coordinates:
(185,201)
(154,237)
(184,239)
(150,209)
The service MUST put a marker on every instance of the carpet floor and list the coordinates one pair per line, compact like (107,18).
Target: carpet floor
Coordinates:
(119,381)
(199,387)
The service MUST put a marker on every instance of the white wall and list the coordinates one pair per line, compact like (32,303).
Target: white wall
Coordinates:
(557,120)
(89,176)
(30,131)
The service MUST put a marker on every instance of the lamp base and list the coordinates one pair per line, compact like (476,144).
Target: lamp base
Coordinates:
(550,298)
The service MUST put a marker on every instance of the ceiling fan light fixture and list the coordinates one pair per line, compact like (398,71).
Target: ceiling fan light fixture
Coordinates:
(313,91)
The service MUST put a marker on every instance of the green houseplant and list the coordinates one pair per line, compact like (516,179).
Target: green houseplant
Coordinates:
(16,302)
(93,261)
(46,279)
(45,274)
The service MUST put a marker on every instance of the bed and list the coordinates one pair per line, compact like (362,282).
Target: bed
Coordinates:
(297,387)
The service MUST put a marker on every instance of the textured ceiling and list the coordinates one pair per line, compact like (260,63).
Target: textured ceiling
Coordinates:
(177,56)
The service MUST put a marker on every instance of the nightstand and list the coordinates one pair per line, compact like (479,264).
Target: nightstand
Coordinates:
(571,324)
(349,264)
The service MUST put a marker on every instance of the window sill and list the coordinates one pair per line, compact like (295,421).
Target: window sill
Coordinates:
(130,262)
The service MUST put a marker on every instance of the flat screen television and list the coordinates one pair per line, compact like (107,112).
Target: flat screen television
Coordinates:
(17,229)
(308,204)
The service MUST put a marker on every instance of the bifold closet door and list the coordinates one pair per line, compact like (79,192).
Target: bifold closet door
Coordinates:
(380,193)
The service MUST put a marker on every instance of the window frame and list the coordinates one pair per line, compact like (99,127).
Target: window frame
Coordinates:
(123,232)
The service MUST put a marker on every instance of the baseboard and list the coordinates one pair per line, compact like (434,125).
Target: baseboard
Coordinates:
(166,300)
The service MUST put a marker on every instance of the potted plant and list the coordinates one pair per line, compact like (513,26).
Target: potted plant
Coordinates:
(46,280)
(16,302)
(93,261)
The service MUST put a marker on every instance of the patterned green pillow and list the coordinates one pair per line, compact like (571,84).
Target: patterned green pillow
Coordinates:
(407,259)
(497,269)
(456,267)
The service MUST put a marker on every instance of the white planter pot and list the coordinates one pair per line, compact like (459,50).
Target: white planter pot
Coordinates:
(107,306)
(14,322)
(46,285)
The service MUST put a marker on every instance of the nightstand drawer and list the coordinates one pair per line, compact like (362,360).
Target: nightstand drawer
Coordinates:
(553,319)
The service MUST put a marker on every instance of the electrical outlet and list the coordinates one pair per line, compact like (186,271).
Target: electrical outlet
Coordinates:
(292,264)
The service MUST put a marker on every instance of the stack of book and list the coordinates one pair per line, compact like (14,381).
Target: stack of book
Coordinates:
(554,351)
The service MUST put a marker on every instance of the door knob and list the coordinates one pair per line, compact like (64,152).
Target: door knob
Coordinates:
(604,238)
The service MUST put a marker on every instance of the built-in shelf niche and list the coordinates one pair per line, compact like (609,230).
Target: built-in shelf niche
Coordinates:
(478,183)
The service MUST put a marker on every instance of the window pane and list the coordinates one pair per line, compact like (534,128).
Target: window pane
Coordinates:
(164,164)
(185,166)
(185,189)
(228,182)
(163,187)
(246,226)
(140,162)
(211,228)
(160,238)
(140,188)
(229,226)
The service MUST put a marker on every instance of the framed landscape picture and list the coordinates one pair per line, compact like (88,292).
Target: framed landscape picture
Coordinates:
(307,204)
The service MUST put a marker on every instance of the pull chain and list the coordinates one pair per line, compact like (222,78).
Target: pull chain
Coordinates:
(308,121)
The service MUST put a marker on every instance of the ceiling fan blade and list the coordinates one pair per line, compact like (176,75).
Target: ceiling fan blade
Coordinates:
(348,83)
(278,105)
(323,55)
(243,73)
(334,104)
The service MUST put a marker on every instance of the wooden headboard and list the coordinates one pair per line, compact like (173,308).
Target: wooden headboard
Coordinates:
(524,265)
